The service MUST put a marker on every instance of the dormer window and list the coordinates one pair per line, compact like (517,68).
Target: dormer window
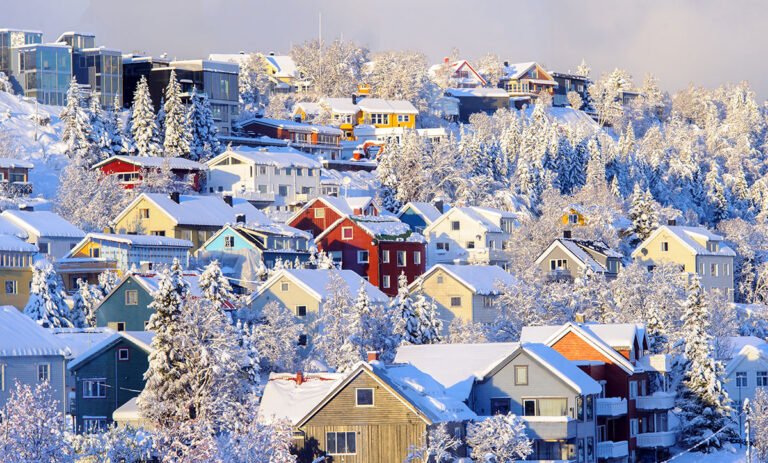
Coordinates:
(713,246)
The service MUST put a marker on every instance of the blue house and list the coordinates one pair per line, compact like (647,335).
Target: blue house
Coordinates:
(419,215)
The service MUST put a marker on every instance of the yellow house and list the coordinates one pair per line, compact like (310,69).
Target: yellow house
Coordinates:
(303,291)
(573,215)
(193,218)
(696,250)
(16,260)
(347,113)
(466,292)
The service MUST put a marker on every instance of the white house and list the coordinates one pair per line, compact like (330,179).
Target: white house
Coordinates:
(52,234)
(746,370)
(279,179)
(469,234)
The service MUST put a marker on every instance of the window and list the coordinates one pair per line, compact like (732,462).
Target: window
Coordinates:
(712,246)
(120,326)
(95,252)
(284,287)
(417,257)
(573,218)
(500,406)
(144,213)
(529,407)
(581,450)
(301,311)
(282,190)
(762,378)
(741,379)
(385,256)
(443,247)
(401,258)
(455,301)
(521,375)
(440,279)
(713,269)
(346,233)
(633,389)
(11,287)
(488,301)
(132,297)
(364,397)
(590,448)
(93,424)
(579,408)
(302,340)
(403,118)
(455,225)
(320,213)
(385,282)
(664,246)
(558,264)
(702,269)
(43,247)
(123,354)
(341,443)
(362,257)
(555,406)
(43,372)
(95,388)
(727,269)
(590,408)
(633,427)
(470,245)
(229,242)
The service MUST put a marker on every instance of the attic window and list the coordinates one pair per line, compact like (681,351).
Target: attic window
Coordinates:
(123,354)
(521,375)
(132,297)
(712,246)
(284,287)
(346,233)
(320,213)
(664,246)
(364,397)
(229,241)
(455,225)
(573,218)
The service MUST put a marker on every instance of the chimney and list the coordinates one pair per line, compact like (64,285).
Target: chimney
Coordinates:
(299,378)
(175,197)
(580,317)
(373,356)
(354,99)
(228,199)
(446,60)
(671,222)
(240,218)
(506,64)
(567,234)
(27,208)
(271,53)
(439,205)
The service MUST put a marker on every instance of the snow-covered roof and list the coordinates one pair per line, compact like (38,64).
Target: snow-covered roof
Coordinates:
(285,398)
(315,282)
(309,107)
(154,162)
(10,163)
(199,210)
(517,70)
(380,105)
(481,92)
(9,228)
(340,105)
(11,243)
(142,339)
(293,126)
(237,58)
(20,336)
(576,248)
(475,215)
(127,412)
(75,341)
(737,343)
(383,227)
(563,368)
(43,223)
(480,279)
(689,236)
(569,116)
(136,240)
(467,362)
(151,282)
(274,157)
(284,65)
(456,66)
(427,210)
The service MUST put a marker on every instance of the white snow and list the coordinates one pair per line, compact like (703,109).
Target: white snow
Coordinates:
(78,340)
(20,336)
(284,398)
(426,210)
(273,157)
(481,279)
(14,244)
(203,210)
(155,162)
(294,126)
(315,281)
(43,224)
(563,368)
(139,240)
(383,227)
(143,339)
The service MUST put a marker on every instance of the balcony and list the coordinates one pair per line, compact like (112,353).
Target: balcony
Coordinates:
(650,440)
(255,196)
(611,406)
(550,427)
(657,401)
(609,449)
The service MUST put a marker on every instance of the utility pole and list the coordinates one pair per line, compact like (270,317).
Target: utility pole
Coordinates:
(747,410)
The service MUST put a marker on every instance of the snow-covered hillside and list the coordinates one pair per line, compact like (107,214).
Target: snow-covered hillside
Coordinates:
(17,130)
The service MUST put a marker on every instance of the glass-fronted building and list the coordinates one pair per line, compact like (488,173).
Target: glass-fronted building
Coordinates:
(78,40)
(10,39)
(43,71)
(102,70)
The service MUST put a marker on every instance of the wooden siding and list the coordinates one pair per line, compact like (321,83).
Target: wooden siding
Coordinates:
(113,308)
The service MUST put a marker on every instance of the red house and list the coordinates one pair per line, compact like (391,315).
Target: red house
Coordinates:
(377,248)
(322,212)
(313,139)
(630,415)
(131,170)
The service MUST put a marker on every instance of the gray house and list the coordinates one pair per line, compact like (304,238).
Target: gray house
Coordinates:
(567,258)
(554,396)
(29,354)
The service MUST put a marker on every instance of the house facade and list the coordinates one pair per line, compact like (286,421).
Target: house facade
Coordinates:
(281,180)
(320,213)
(457,74)
(318,140)
(419,215)
(131,171)
(568,258)
(478,100)
(696,250)
(525,81)
(569,82)
(53,235)
(14,175)
(107,376)
(351,112)
(466,292)
(16,263)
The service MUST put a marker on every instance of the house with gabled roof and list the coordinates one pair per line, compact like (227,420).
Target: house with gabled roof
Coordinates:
(107,375)
(525,81)
(193,218)
(419,215)
(378,248)
(466,292)
(351,112)
(460,74)
(568,258)
(746,371)
(555,398)
(470,234)
(632,409)
(131,171)
(318,140)
(52,234)
(16,260)
(696,250)
(374,413)
(320,213)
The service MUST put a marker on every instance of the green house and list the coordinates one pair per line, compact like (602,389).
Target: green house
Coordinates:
(107,376)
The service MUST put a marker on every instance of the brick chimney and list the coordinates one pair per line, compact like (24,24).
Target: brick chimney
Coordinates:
(373,356)
(299,378)
(228,200)
(175,197)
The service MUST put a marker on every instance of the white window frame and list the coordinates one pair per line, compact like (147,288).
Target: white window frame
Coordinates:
(385,281)
(385,256)
(742,379)
(120,351)
(344,233)
(404,261)
(417,257)
(373,397)
(298,312)
(285,286)
(761,380)
(633,427)
(229,242)
(345,433)
(714,269)
(633,390)
(363,255)
(451,300)
(664,246)
(89,428)
(45,367)
(100,387)
(132,300)
(320,213)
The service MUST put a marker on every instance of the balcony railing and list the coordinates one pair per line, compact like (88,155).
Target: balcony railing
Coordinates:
(610,449)
(657,401)
(550,427)
(650,440)
(255,196)
(611,406)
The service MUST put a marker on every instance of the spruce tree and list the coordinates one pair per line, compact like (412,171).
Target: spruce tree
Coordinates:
(176,134)
(205,142)
(642,213)
(46,302)
(75,134)
(215,286)
(143,124)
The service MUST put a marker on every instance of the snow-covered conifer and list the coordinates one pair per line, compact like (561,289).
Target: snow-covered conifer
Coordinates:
(643,213)
(85,301)
(176,141)
(438,447)
(275,334)
(76,131)
(501,437)
(214,285)
(144,130)
(333,345)
(461,332)
(205,142)
(46,301)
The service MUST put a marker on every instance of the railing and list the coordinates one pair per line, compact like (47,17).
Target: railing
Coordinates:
(611,406)
(609,449)
(658,401)
(656,439)
(255,195)
(550,427)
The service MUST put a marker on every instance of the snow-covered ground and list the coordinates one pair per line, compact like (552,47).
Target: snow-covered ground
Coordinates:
(733,455)
(17,123)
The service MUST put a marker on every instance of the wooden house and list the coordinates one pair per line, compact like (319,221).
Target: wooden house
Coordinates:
(318,140)
(14,175)
(132,170)
(53,235)
(16,261)
(569,258)
(525,81)
(322,212)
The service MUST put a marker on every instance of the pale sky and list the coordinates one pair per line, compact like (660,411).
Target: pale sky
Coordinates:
(706,42)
